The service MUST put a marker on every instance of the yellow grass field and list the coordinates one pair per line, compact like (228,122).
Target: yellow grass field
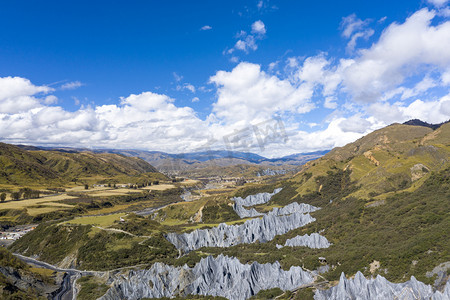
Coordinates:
(102,221)
(160,187)
(39,201)
(34,211)
(111,192)
(190,182)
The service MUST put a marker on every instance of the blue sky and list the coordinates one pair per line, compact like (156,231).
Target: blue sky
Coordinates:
(185,76)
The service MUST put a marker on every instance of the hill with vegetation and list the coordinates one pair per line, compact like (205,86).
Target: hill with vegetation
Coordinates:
(19,166)
(397,157)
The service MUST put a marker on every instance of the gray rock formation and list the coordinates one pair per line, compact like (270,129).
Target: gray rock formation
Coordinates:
(256,199)
(294,207)
(261,198)
(221,276)
(314,240)
(277,211)
(379,289)
(245,213)
(263,230)
(271,172)
(444,295)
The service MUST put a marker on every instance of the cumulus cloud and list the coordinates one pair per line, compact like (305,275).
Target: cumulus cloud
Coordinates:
(355,124)
(248,93)
(247,42)
(317,70)
(428,111)
(11,87)
(19,94)
(400,52)
(258,27)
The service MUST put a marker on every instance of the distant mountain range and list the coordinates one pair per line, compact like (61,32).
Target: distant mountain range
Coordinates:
(172,163)
(175,163)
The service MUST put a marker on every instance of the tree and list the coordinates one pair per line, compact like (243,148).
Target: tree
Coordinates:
(15,195)
(3,197)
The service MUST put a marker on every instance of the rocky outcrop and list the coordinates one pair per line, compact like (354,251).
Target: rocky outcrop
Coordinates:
(256,199)
(261,198)
(314,240)
(262,230)
(246,213)
(444,295)
(15,280)
(221,276)
(379,289)
(277,211)
(294,207)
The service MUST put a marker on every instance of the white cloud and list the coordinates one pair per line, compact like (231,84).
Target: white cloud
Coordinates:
(365,35)
(354,29)
(422,86)
(11,87)
(247,93)
(146,121)
(146,101)
(400,52)
(19,94)
(438,3)
(428,111)
(186,86)
(247,42)
(445,78)
(177,77)
(355,124)
(258,27)
(206,27)
(330,103)
(318,70)
(352,24)
(50,99)
(71,85)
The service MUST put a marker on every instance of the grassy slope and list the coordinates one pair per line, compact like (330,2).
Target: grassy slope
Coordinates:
(24,167)
(381,162)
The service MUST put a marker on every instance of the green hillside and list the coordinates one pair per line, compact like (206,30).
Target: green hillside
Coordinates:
(25,167)
(397,157)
